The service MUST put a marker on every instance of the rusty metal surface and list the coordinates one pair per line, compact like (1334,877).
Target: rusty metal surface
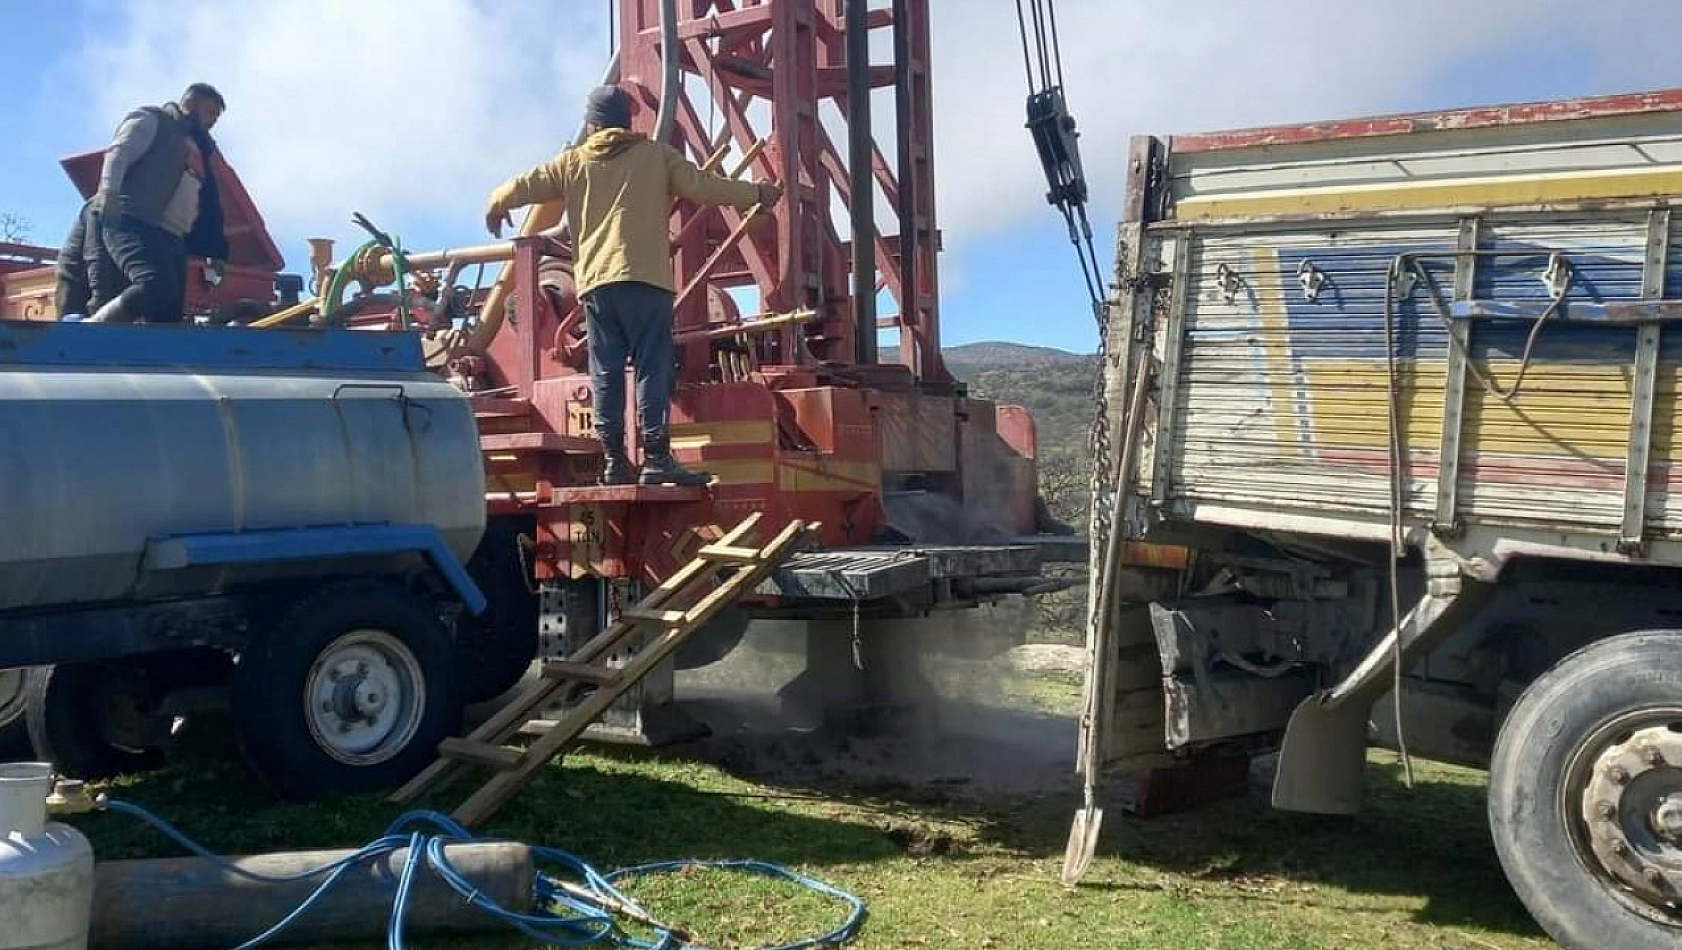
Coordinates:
(1669,100)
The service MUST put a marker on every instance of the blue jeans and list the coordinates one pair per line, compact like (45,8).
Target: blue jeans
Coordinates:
(631,320)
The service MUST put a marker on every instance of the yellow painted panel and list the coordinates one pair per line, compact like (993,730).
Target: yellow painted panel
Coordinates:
(1566,411)
(739,471)
(1502,190)
(828,476)
(1270,302)
(696,435)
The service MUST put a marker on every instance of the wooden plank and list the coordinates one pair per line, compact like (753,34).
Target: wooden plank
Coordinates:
(480,753)
(664,618)
(494,793)
(580,673)
(726,554)
(507,721)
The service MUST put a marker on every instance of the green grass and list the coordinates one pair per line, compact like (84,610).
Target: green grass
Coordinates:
(939,866)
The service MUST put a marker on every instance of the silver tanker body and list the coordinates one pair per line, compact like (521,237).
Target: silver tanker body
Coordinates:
(109,448)
(281,522)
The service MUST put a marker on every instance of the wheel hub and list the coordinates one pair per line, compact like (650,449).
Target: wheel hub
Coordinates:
(364,696)
(1632,808)
(1668,819)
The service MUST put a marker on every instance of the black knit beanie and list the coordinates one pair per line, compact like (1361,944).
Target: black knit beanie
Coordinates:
(608,107)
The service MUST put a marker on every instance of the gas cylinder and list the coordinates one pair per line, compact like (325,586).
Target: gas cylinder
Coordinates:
(46,868)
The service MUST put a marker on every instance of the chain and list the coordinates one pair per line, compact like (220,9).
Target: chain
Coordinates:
(1101,482)
(858,639)
(522,546)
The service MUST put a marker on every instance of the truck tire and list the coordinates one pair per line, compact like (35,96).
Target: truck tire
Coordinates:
(497,648)
(14,724)
(69,714)
(350,692)
(1585,795)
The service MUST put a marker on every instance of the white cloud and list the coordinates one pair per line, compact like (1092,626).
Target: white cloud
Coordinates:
(407,110)
(1178,66)
(411,110)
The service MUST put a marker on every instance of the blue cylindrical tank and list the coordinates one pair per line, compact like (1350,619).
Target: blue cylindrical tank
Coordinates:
(112,436)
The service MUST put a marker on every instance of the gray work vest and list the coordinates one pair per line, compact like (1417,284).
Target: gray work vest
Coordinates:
(151,181)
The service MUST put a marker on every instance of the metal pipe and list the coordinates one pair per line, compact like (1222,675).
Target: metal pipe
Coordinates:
(909,300)
(860,154)
(476,254)
(671,59)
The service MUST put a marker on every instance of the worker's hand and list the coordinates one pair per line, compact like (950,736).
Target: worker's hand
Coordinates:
(498,213)
(495,218)
(769,192)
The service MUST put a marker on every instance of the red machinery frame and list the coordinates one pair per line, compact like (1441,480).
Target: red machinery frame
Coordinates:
(791,408)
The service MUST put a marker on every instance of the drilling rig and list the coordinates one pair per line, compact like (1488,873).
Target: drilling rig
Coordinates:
(810,386)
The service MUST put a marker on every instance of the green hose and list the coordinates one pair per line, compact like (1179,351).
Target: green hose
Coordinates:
(341,277)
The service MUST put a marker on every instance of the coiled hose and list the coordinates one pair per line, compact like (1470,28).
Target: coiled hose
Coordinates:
(578,915)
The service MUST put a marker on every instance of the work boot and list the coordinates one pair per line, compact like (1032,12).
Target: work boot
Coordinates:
(113,312)
(616,467)
(617,470)
(659,468)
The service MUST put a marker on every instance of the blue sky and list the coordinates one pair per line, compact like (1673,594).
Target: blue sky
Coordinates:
(411,110)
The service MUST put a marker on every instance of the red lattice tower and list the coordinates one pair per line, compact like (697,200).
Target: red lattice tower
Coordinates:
(768,68)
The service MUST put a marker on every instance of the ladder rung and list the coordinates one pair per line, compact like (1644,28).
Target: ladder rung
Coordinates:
(665,618)
(480,753)
(728,555)
(588,673)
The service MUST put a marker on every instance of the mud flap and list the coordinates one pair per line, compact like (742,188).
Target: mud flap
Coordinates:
(1323,759)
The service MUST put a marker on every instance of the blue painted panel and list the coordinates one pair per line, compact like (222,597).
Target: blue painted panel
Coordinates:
(1347,322)
(311,544)
(28,344)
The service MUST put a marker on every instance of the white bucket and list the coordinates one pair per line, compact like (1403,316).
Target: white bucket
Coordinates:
(24,787)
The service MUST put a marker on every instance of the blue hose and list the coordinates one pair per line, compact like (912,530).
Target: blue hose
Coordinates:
(589,919)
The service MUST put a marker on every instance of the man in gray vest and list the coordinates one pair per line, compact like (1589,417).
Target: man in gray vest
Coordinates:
(157,202)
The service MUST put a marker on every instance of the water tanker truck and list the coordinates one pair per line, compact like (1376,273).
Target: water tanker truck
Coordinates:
(274,522)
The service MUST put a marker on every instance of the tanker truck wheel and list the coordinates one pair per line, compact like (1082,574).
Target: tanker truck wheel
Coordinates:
(14,726)
(90,720)
(350,692)
(1585,795)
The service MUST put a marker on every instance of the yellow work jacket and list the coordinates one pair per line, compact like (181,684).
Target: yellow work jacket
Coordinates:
(618,188)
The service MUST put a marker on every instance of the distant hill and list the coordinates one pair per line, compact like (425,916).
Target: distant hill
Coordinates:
(1055,386)
(965,360)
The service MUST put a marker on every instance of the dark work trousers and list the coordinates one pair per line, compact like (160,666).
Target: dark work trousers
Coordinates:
(630,319)
(87,276)
(154,262)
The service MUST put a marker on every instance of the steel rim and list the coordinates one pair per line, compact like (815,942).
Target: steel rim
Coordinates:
(1622,801)
(364,697)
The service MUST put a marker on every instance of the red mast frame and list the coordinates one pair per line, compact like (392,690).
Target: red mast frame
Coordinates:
(785,60)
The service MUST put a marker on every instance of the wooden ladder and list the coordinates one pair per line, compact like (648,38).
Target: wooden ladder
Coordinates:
(666,617)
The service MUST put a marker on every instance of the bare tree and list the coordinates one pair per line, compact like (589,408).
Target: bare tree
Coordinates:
(1064,493)
(14,227)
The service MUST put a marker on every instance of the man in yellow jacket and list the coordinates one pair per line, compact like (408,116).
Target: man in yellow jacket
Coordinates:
(618,188)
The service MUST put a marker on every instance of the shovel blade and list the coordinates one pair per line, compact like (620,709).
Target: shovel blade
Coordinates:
(1083,845)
